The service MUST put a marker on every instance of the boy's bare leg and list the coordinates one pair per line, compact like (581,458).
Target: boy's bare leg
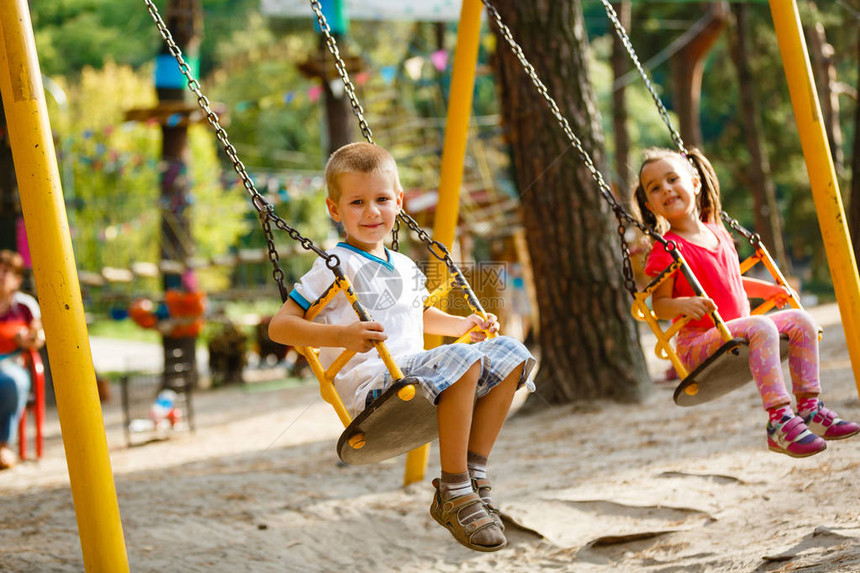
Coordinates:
(455,506)
(454,414)
(490,413)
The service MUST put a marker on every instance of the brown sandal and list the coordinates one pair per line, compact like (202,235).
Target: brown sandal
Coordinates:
(482,487)
(447,513)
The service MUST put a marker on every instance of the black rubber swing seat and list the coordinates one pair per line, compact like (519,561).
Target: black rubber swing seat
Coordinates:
(725,370)
(389,427)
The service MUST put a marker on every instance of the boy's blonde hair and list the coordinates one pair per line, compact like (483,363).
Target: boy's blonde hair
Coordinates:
(361,157)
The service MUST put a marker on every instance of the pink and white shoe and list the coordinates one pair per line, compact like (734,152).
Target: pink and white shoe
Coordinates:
(790,436)
(825,423)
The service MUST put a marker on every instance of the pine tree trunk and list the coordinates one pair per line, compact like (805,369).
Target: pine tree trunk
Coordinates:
(589,343)
(821,55)
(768,222)
(854,203)
(688,65)
(620,66)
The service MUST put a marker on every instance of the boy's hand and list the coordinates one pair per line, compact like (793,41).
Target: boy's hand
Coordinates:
(360,336)
(696,307)
(489,325)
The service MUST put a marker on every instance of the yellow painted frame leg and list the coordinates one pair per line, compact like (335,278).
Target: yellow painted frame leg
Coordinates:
(93,489)
(451,176)
(822,174)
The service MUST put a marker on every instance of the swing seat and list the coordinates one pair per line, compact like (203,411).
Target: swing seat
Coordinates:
(725,370)
(389,427)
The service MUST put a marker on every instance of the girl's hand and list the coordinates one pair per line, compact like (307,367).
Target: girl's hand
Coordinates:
(783,296)
(361,336)
(696,307)
(489,325)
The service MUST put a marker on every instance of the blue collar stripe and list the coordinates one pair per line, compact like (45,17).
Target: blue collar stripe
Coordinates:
(387,264)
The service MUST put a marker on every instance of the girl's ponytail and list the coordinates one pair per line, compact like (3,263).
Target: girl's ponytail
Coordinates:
(709,203)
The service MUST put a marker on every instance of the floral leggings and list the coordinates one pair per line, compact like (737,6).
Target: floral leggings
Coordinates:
(694,345)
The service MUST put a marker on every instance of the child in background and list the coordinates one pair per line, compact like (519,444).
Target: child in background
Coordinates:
(472,385)
(673,195)
(20,329)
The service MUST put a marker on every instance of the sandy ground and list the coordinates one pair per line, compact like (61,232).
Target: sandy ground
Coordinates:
(596,487)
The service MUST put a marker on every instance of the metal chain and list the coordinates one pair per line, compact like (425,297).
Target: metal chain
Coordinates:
(340,66)
(753,238)
(264,209)
(620,212)
(436,248)
(395,235)
(628,45)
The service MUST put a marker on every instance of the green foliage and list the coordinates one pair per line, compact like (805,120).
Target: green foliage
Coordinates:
(111,177)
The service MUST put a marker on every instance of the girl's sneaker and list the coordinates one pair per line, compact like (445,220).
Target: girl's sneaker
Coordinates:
(790,436)
(825,423)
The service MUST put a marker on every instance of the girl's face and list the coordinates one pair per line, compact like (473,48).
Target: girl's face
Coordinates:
(670,189)
(368,206)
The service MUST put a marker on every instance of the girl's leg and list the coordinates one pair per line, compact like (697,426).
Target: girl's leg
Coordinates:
(803,364)
(765,363)
(802,350)
(14,388)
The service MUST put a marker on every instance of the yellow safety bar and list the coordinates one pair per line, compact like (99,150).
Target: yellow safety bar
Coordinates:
(663,349)
(326,376)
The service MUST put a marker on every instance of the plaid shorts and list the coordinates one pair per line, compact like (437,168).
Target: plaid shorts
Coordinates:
(438,368)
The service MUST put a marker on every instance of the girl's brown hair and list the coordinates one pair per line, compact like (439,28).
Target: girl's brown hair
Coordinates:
(708,201)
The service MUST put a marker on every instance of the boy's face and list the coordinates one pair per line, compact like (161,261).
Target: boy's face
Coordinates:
(368,206)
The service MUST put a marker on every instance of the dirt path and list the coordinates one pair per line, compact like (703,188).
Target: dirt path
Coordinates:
(597,487)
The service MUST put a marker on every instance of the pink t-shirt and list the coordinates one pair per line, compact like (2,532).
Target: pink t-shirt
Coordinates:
(718,271)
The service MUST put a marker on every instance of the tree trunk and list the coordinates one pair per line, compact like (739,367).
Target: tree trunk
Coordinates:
(10,208)
(854,203)
(620,66)
(768,222)
(184,19)
(589,343)
(687,68)
(338,111)
(821,55)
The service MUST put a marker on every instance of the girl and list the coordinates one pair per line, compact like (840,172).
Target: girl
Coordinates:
(683,202)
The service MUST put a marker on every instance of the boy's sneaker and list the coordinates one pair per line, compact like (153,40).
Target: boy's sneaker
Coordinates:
(790,436)
(825,423)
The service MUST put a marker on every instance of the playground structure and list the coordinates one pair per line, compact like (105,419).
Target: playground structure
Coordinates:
(89,469)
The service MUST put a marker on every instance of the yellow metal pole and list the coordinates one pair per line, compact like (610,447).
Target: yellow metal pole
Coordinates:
(822,174)
(451,177)
(93,490)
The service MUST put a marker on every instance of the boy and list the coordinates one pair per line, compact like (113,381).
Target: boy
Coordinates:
(471,385)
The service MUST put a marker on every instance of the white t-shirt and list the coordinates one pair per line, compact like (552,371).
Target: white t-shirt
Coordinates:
(393,292)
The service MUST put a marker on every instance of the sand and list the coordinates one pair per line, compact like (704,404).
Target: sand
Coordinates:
(585,487)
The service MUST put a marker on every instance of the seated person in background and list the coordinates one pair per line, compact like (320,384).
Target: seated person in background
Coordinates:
(20,329)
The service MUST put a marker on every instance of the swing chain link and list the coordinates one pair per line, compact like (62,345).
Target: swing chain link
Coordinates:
(436,248)
(395,235)
(628,45)
(621,213)
(264,209)
(340,66)
(753,238)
